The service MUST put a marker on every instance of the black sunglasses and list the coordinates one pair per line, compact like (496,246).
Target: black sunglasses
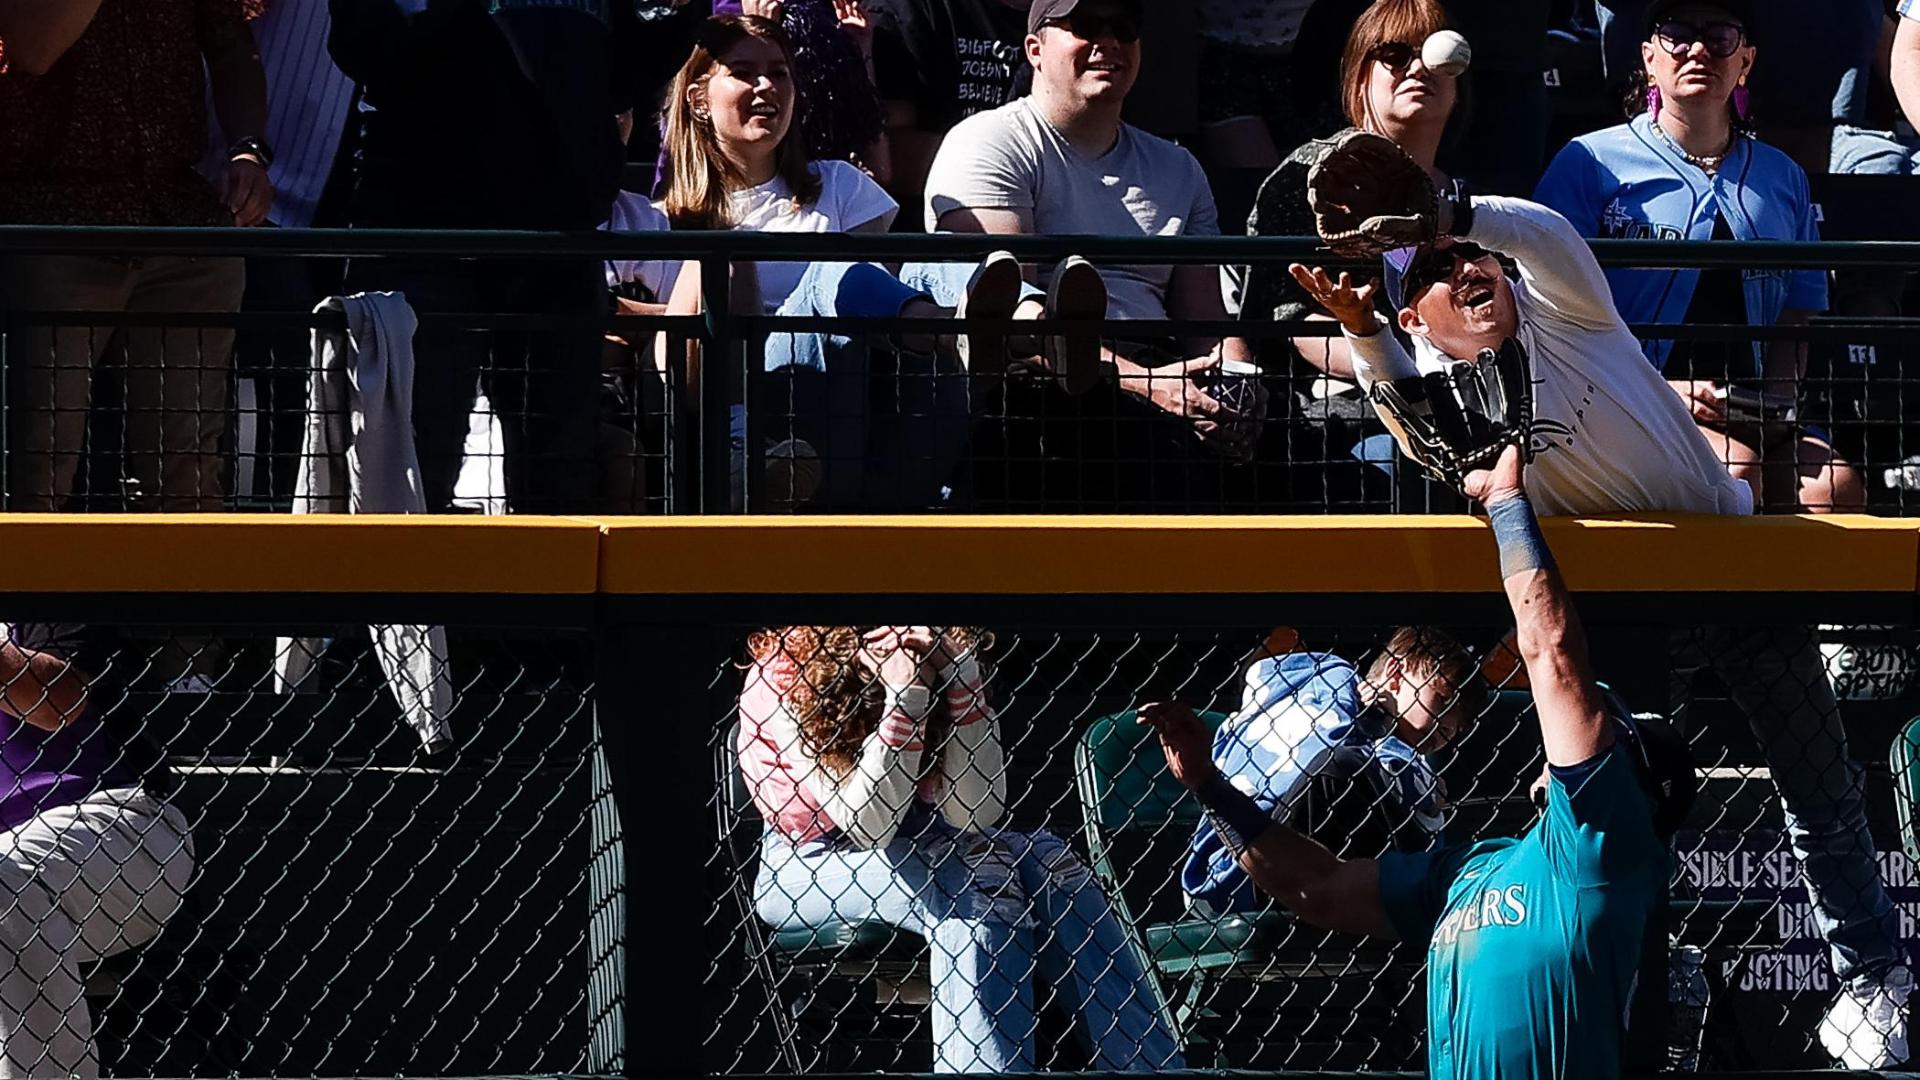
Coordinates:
(1435,265)
(1722,39)
(1395,56)
(1094,25)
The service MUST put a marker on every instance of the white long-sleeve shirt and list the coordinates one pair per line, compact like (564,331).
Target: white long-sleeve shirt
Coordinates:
(803,800)
(1610,435)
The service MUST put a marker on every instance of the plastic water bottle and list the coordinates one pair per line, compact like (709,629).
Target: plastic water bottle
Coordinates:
(1687,998)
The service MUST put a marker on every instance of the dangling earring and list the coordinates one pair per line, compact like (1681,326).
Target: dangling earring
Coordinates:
(1741,103)
(1653,101)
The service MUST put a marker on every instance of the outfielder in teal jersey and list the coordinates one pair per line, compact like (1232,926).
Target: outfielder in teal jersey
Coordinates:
(1533,943)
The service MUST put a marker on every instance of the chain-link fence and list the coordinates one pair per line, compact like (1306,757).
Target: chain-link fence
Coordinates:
(209,872)
(395,851)
(545,375)
(1012,879)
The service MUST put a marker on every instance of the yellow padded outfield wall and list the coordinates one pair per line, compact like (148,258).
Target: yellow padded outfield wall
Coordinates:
(568,556)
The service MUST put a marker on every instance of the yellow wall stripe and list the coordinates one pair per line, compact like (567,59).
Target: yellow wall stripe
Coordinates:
(1360,554)
(255,553)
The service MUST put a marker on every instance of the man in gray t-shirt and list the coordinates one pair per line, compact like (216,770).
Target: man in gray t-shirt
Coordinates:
(1062,162)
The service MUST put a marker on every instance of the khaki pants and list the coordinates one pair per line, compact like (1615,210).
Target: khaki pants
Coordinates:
(176,377)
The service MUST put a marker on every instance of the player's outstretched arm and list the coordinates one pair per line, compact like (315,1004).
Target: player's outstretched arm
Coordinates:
(1312,882)
(1573,717)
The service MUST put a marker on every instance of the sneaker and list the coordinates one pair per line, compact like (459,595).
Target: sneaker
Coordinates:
(992,295)
(1866,1027)
(1076,292)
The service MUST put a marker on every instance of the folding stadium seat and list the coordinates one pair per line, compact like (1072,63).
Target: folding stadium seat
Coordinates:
(846,997)
(1256,990)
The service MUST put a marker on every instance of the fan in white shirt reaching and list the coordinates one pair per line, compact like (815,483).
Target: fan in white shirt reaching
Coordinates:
(1605,438)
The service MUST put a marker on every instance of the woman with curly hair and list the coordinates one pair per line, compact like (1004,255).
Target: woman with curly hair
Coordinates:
(876,760)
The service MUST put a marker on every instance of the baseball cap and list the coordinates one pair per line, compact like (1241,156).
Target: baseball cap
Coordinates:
(1659,10)
(1046,11)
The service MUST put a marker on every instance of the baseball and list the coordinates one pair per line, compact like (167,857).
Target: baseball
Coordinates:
(1446,53)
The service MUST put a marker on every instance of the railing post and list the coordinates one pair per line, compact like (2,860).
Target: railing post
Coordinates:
(716,419)
(652,711)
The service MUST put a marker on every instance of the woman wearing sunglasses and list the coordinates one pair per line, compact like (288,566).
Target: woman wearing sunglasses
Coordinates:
(1687,166)
(1386,88)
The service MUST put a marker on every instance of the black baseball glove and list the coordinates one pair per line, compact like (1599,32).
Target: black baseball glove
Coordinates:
(1455,421)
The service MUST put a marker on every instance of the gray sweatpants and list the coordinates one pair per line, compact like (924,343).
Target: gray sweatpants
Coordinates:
(79,883)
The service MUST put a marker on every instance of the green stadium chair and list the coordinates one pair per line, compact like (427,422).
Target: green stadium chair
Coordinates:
(827,984)
(1130,801)
(1903,761)
(1125,788)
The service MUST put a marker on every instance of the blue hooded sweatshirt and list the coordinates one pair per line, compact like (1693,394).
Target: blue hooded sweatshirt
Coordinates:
(1301,719)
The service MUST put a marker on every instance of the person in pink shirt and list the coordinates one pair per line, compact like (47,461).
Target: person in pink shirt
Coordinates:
(876,761)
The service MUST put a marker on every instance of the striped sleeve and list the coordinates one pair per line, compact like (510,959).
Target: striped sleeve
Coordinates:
(308,100)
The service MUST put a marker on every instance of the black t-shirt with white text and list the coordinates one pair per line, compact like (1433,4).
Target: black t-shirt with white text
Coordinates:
(950,58)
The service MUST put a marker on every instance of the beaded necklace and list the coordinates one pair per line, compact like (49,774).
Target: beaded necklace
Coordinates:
(1706,163)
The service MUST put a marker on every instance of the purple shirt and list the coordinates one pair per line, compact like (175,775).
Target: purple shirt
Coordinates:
(41,769)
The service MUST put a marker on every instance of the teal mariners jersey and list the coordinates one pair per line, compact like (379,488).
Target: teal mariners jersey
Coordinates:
(1533,944)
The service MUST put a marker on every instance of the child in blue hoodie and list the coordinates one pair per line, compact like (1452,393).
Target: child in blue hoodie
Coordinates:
(1320,747)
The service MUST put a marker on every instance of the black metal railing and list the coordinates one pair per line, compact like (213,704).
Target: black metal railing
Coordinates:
(712,429)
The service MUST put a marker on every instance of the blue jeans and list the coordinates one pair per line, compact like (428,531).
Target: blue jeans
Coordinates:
(1778,679)
(861,290)
(997,908)
(1862,152)
(901,451)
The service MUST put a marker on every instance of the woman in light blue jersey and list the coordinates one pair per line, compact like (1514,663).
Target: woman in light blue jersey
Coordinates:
(1687,167)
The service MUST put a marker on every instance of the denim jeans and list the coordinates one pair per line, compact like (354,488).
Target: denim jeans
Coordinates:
(1863,152)
(997,908)
(1778,679)
(888,430)
(865,291)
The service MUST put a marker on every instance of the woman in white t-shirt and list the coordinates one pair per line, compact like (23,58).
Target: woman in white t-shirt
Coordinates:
(737,161)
